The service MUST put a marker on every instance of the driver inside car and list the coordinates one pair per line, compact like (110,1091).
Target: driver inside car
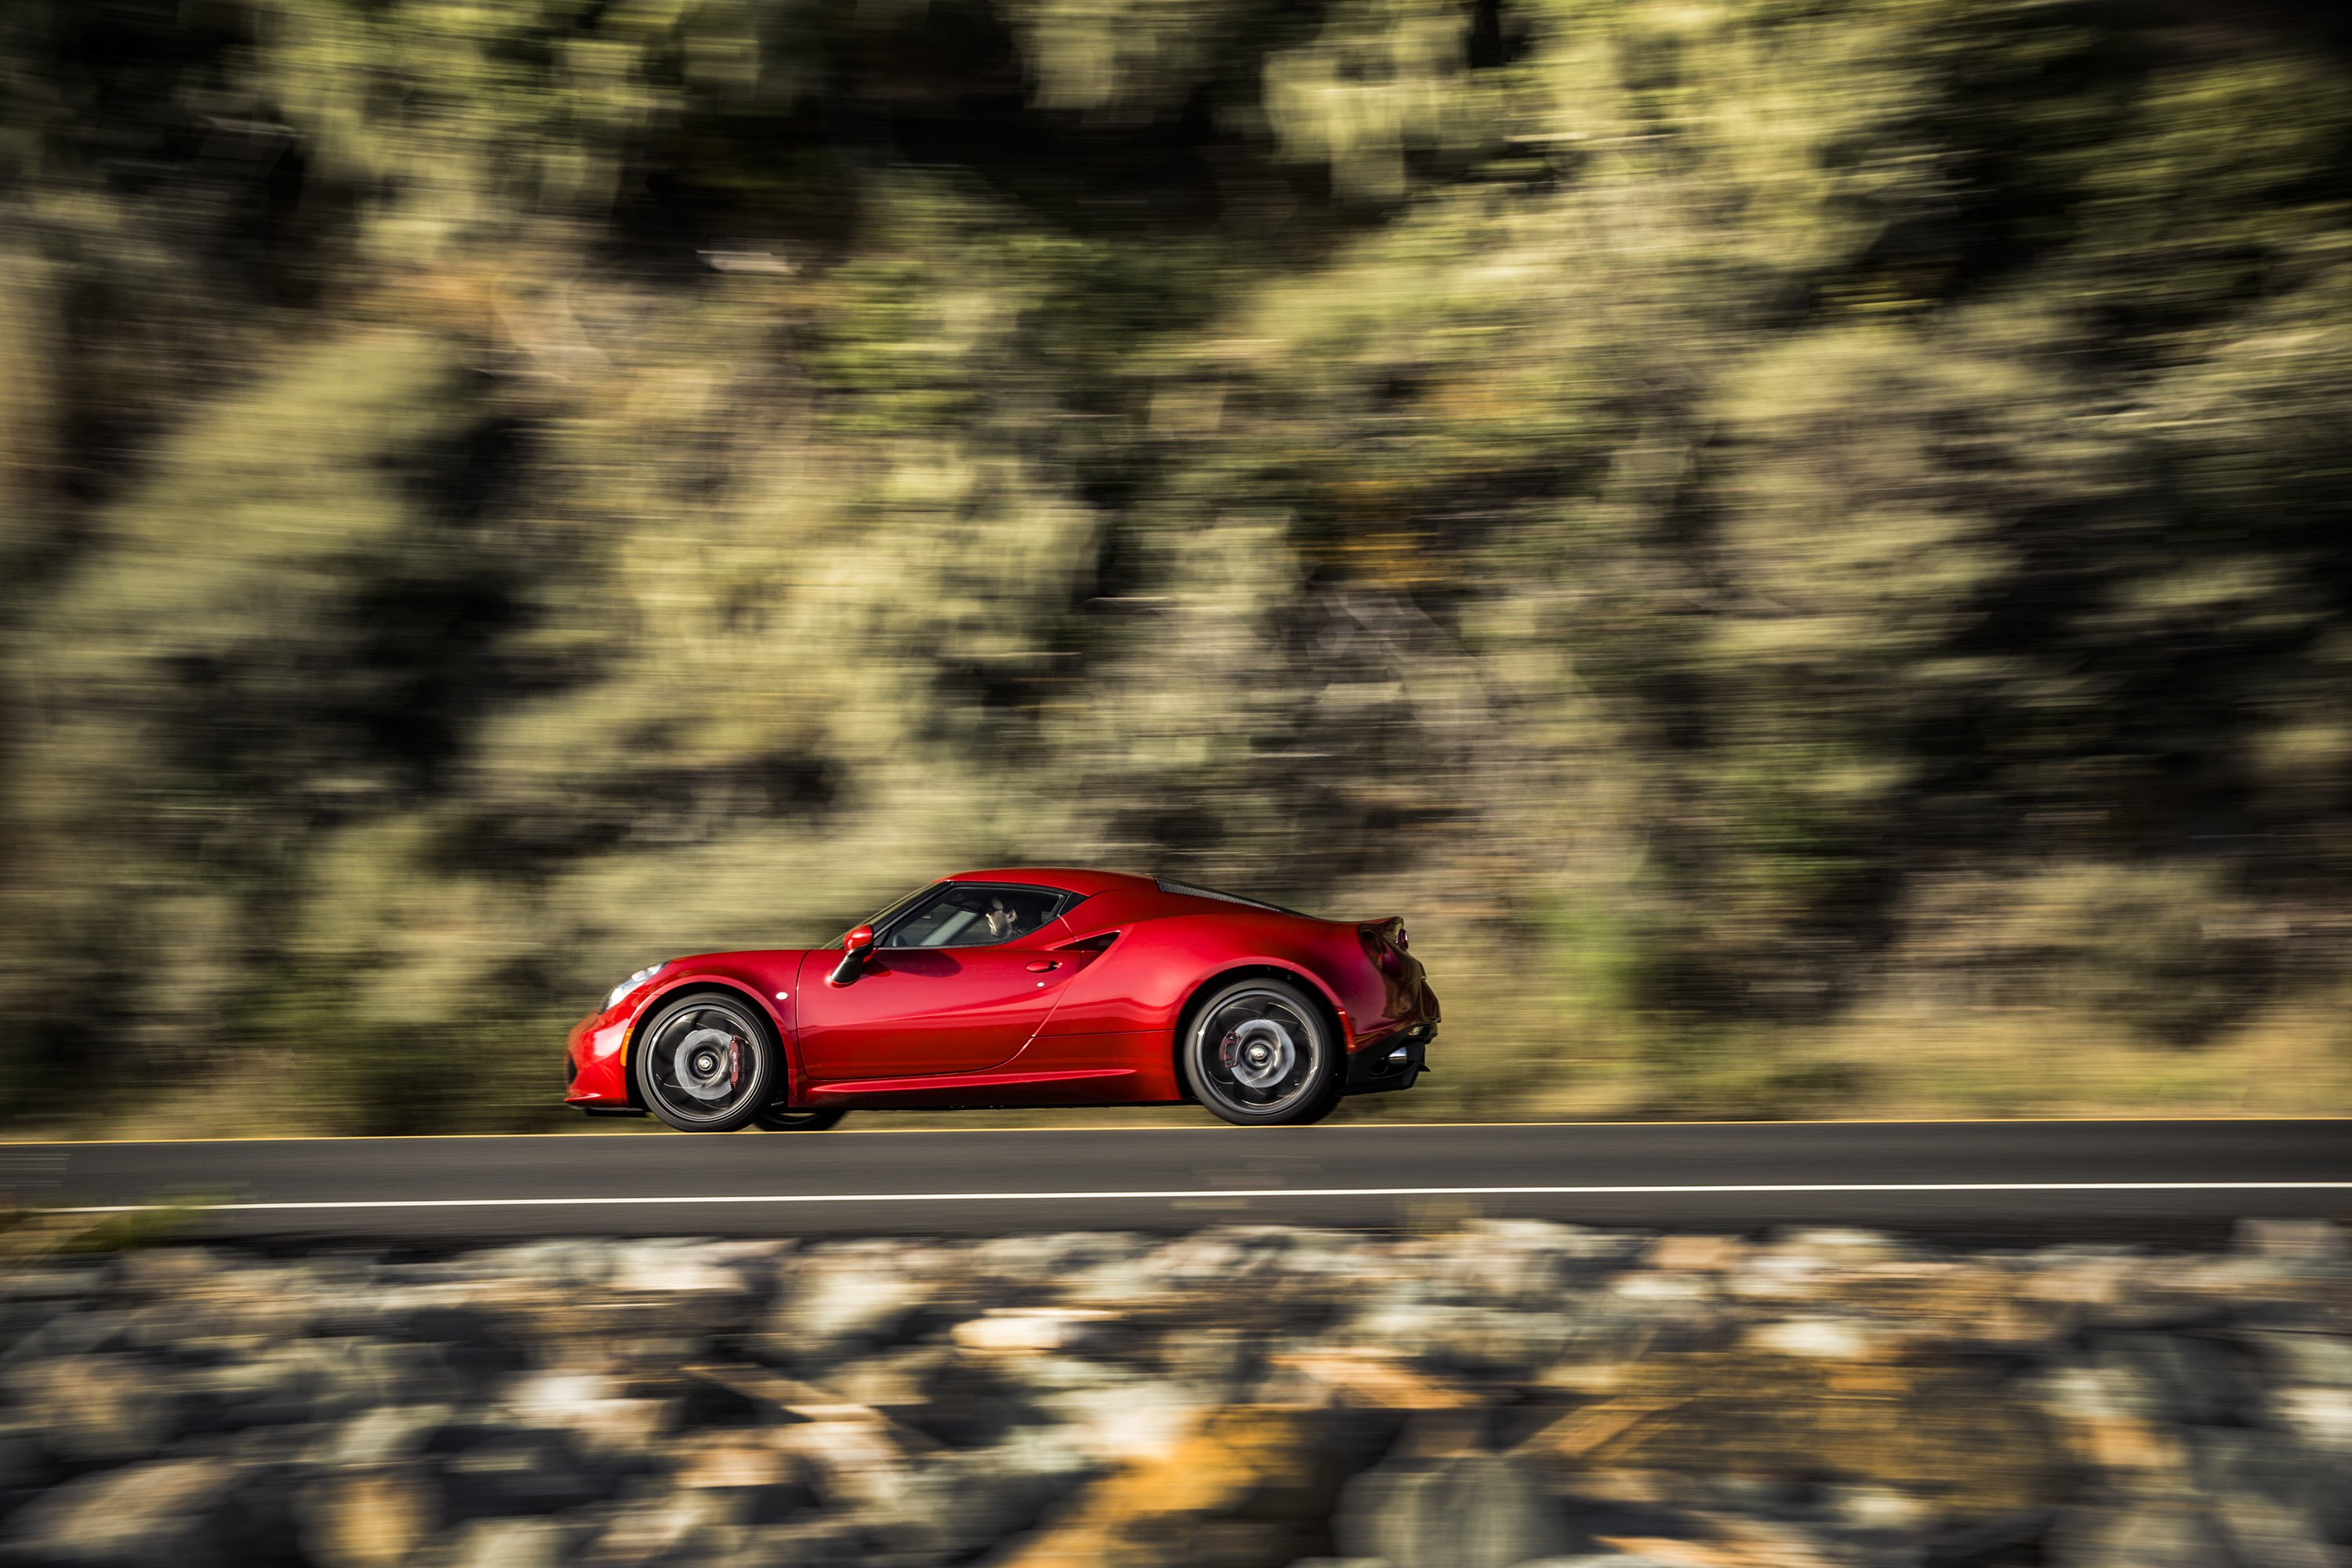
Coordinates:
(972,917)
(1003,922)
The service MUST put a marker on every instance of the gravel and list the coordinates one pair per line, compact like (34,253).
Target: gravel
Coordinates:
(1498,1396)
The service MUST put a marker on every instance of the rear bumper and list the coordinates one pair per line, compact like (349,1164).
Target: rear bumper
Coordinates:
(1393,1061)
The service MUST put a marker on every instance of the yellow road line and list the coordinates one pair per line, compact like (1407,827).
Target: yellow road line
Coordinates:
(1205,1126)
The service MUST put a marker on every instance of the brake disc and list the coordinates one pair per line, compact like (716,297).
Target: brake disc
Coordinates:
(710,1064)
(1260,1052)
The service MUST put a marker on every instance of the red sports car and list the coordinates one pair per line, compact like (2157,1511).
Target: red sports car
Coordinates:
(1020,988)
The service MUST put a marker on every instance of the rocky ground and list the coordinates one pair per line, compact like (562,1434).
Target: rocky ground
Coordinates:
(1494,1394)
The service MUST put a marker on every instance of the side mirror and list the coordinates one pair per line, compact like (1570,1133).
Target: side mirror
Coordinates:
(854,949)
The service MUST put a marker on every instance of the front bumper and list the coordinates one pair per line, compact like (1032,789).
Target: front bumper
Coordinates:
(595,1066)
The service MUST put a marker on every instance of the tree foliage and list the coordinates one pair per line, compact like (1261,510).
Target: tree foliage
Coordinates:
(1797,539)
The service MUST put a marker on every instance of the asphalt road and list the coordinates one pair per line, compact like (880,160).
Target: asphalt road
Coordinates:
(1987,1182)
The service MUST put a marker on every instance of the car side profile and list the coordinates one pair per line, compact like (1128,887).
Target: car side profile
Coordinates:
(1027,986)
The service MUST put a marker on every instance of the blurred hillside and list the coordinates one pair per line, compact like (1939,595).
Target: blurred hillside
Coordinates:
(1807,545)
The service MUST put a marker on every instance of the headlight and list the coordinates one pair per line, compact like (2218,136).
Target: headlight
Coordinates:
(633,981)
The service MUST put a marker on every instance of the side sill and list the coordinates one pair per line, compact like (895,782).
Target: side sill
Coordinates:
(950,1082)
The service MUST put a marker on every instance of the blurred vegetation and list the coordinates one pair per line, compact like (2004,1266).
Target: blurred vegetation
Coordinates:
(1807,544)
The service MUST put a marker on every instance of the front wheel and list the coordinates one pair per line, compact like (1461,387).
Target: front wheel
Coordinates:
(1260,1052)
(705,1063)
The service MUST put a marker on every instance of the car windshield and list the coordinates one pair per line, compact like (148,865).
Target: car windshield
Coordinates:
(965,914)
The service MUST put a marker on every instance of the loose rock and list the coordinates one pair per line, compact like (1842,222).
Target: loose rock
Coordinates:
(1499,1394)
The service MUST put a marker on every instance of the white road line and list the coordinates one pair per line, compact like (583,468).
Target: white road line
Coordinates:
(1181,1192)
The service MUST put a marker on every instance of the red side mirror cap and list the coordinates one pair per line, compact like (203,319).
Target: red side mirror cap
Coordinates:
(854,949)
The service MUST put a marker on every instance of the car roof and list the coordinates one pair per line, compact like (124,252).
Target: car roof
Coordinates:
(1072,879)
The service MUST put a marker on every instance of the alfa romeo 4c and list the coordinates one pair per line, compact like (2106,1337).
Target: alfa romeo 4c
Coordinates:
(1025,987)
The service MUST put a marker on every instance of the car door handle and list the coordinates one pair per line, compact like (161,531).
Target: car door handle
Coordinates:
(1043,964)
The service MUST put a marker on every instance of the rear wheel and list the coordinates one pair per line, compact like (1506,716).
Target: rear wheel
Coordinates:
(1261,1053)
(705,1063)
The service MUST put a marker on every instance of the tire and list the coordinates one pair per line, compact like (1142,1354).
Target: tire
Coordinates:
(792,1118)
(707,1063)
(1261,1053)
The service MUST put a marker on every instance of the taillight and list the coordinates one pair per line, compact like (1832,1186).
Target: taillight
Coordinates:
(1384,940)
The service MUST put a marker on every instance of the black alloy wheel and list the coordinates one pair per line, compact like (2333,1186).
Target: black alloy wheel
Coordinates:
(1260,1052)
(707,1063)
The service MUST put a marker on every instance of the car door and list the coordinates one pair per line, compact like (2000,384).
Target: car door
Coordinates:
(939,993)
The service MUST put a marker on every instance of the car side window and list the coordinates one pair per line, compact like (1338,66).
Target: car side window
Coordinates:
(962,915)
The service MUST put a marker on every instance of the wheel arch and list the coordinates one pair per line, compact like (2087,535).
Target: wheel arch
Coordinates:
(689,984)
(1334,1014)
